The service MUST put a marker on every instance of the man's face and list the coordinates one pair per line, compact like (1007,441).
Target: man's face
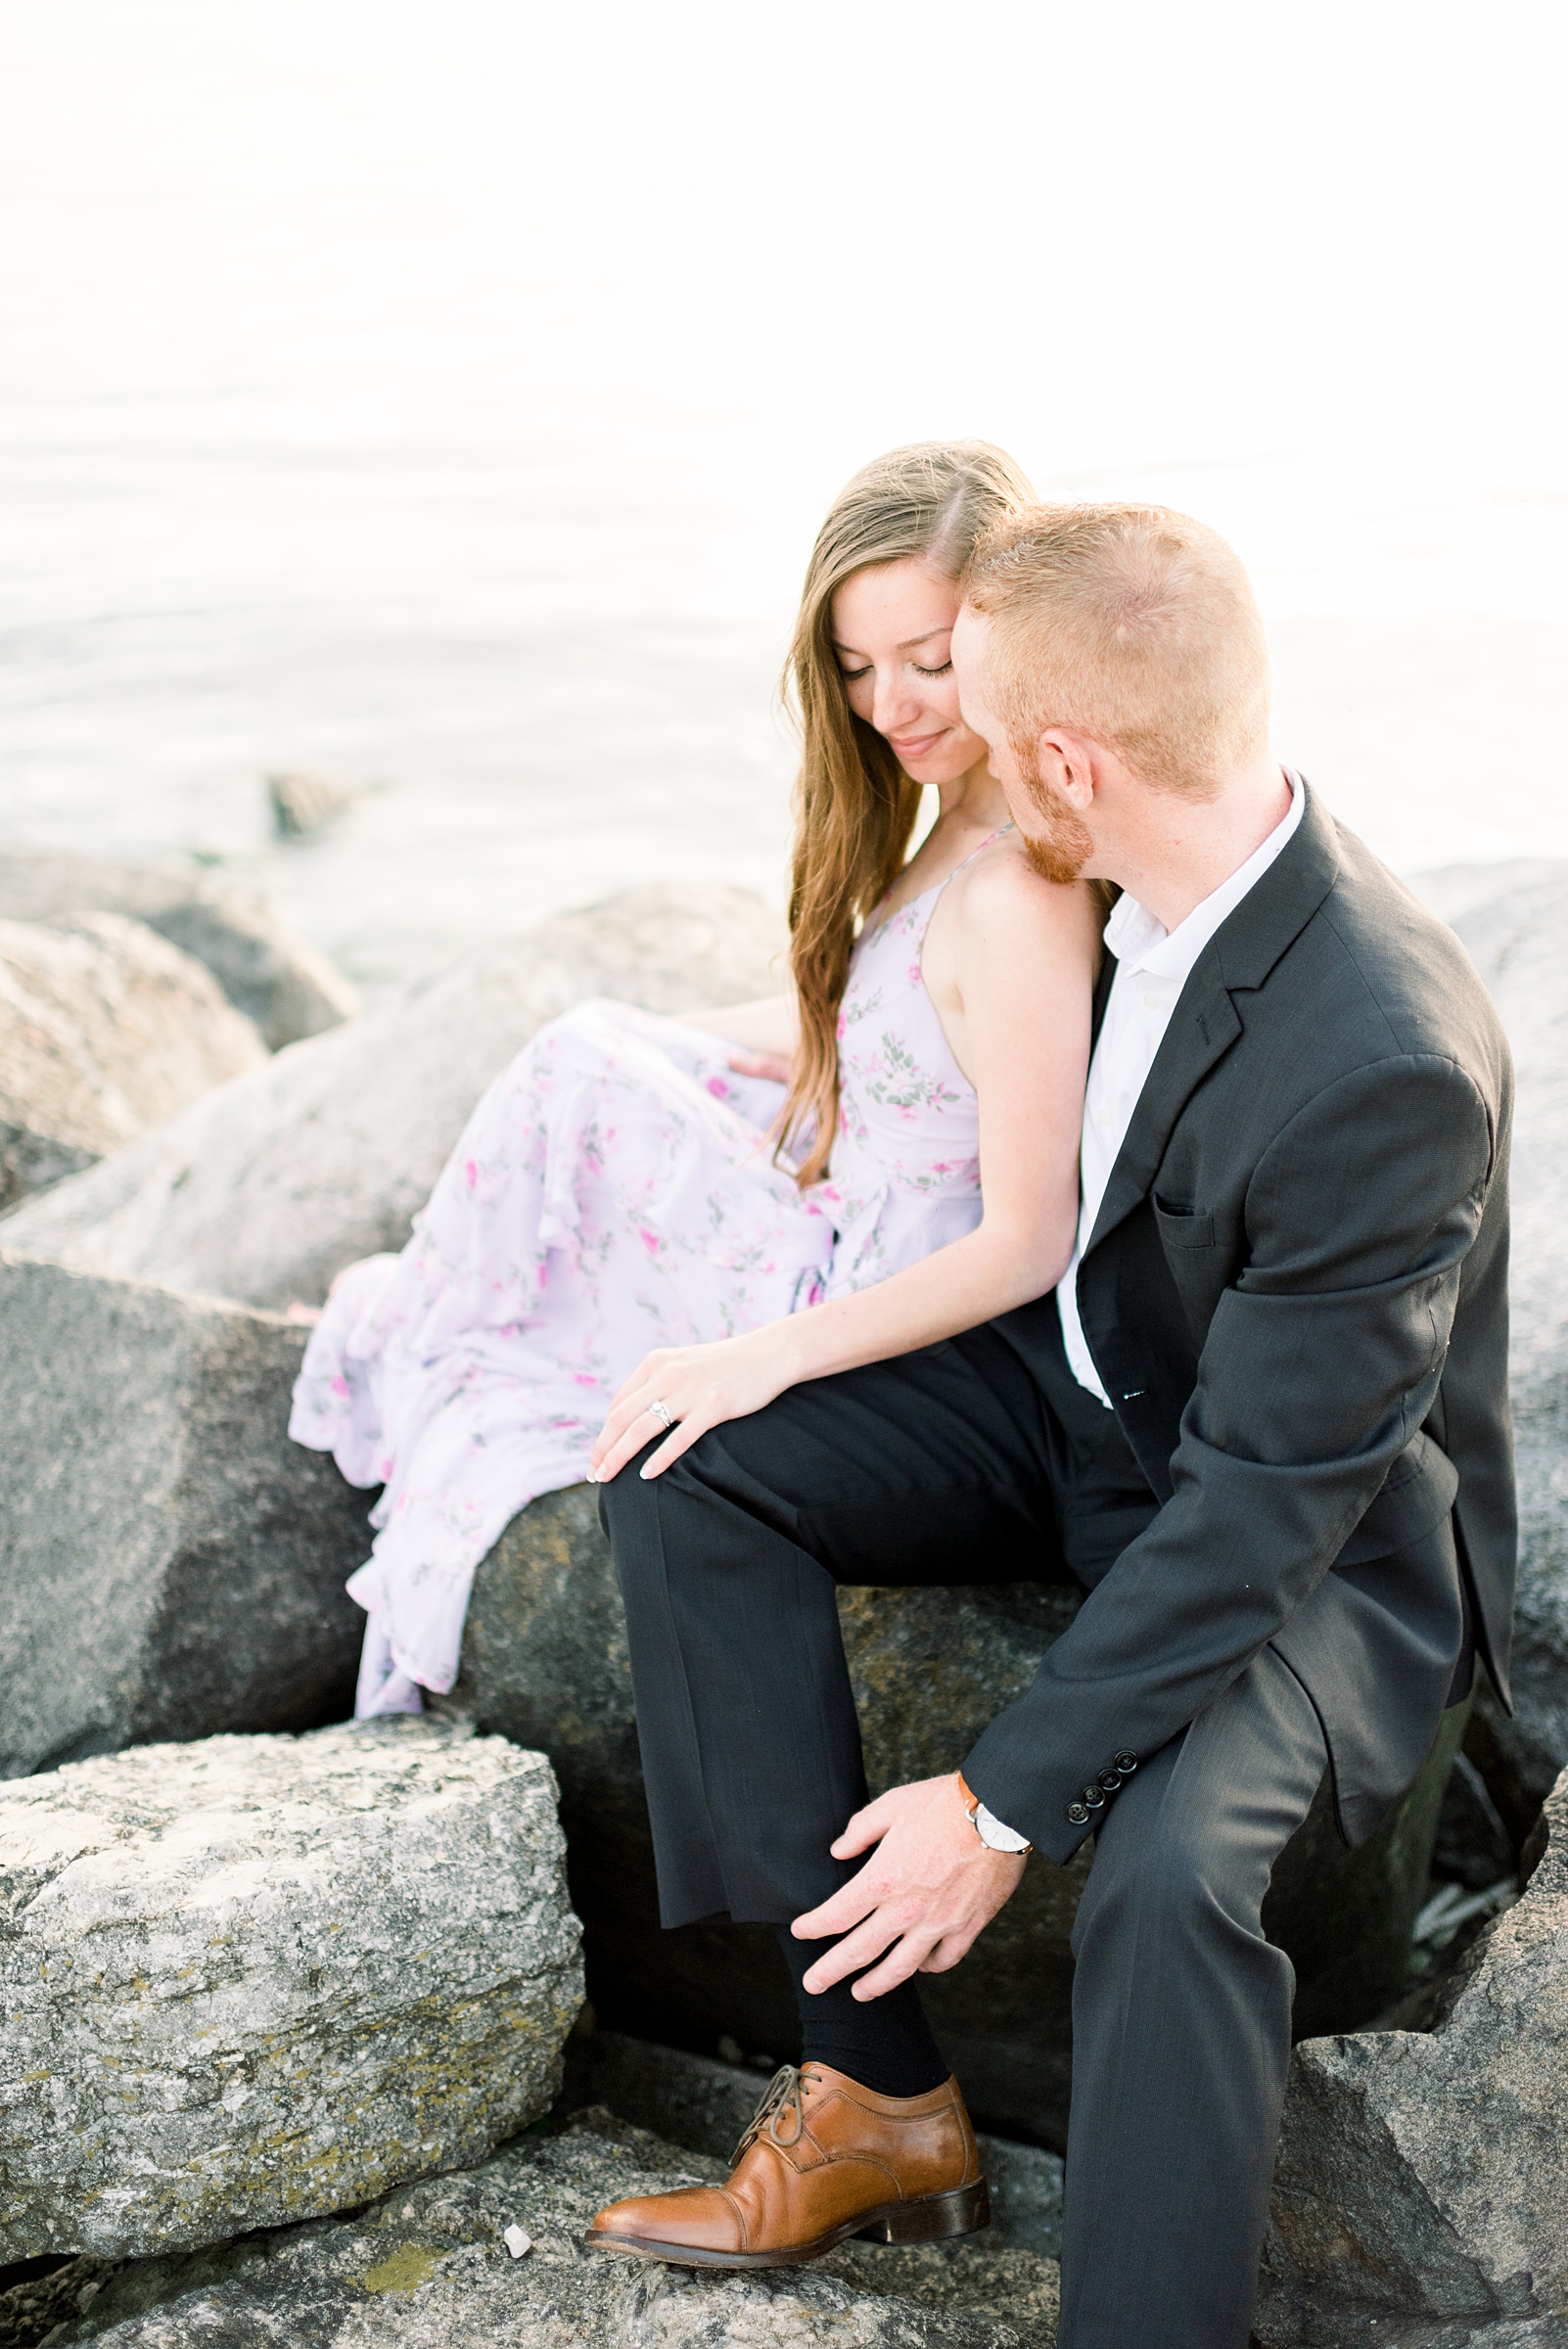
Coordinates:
(1058,841)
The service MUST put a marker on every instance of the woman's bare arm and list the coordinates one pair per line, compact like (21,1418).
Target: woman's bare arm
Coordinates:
(1022,956)
(768,1025)
(768,1031)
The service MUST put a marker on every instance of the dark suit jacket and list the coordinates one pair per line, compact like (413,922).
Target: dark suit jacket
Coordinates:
(1296,1295)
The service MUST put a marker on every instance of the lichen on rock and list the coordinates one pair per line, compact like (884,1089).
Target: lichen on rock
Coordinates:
(258,1978)
(427,2267)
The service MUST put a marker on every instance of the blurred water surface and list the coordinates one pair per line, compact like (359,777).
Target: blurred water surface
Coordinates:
(443,400)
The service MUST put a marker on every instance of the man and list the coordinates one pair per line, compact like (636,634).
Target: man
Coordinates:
(1263,1421)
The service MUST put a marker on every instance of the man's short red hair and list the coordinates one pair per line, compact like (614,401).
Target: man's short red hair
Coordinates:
(1132,626)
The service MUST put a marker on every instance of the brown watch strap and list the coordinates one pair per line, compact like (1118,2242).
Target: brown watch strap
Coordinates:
(971,1803)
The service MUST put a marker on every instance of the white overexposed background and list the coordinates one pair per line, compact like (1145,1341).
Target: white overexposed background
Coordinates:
(443,398)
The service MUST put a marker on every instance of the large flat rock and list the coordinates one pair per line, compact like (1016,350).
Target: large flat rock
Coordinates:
(169,1563)
(427,2269)
(544,1662)
(254,1979)
(1423,2177)
(106,1029)
(274,978)
(267,1188)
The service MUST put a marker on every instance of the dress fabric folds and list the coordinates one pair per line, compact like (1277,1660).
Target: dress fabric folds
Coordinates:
(615,1190)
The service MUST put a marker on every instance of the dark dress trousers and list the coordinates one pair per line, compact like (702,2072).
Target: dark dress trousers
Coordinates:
(1291,1527)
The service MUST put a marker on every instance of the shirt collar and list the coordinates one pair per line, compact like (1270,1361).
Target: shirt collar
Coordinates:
(1141,942)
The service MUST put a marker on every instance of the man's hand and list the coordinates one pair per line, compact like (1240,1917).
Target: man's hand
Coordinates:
(930,1888)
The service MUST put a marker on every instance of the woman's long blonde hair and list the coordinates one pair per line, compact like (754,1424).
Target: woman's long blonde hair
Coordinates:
(855,806)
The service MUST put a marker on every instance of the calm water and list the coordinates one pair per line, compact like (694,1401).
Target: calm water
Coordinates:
(443,401)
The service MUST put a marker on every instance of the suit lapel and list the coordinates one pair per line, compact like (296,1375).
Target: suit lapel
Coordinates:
(1205,1023)
(1102,996)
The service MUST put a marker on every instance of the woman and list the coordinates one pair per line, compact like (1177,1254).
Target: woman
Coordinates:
(704,1183)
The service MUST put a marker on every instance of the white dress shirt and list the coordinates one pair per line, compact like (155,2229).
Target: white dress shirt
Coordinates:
(1152,968)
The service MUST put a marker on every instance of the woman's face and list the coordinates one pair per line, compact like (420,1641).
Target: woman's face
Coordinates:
(891,627)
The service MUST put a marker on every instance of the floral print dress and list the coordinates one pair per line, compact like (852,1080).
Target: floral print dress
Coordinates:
(615,1190)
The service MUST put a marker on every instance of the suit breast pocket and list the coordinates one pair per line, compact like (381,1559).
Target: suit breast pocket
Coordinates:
(1182,1226)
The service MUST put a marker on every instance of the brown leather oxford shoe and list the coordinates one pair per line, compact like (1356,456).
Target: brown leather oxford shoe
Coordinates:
(823,2158)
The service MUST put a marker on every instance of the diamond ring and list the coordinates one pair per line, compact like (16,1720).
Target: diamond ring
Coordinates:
(662,1414)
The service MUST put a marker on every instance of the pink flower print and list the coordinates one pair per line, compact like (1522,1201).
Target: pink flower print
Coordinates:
(649,1240)
(718,1089)
(340,1385)
(471,1173)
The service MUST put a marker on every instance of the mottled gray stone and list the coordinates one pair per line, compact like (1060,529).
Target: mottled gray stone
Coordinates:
(169,1563)
(1421,2175)
(544,1662)
(105,1031)
(288,988)
(266,1189)
(426,2268)
(1516,939)
(254,1979)
(704,2106)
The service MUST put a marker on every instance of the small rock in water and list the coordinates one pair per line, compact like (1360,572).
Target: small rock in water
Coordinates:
(304,804)
(516,2242)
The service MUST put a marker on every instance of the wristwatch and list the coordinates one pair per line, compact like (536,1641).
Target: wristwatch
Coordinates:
(992,1834)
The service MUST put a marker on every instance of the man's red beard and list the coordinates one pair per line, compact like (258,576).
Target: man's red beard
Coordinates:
(1064,844)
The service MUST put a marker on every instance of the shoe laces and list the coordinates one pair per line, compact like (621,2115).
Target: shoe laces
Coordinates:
(785,2093)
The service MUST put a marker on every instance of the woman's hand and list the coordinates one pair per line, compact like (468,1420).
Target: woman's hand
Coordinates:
(777,1067)
(700,1386)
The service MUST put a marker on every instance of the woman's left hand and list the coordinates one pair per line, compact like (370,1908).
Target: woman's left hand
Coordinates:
(699,1386)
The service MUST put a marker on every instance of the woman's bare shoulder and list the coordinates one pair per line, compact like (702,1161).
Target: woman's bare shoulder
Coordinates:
(1004,889)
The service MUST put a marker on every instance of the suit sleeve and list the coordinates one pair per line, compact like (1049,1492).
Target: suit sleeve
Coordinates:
(1319,1365)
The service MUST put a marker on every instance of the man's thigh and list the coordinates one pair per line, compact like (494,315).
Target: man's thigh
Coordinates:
(936,1467)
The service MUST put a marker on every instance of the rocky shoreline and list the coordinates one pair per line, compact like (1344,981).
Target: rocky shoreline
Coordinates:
(279,1995)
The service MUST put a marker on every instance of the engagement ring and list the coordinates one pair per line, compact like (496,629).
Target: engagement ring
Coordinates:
(662,1414)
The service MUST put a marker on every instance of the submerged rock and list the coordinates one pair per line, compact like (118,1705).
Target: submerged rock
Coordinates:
(1421,2176)
(106,1029)
(428,2268)
(169,1563)
(287,987)
(267,1188)
(302,804)
(544,1662)
(254,1979)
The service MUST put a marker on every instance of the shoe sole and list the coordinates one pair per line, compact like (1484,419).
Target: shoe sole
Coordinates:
(925,2219)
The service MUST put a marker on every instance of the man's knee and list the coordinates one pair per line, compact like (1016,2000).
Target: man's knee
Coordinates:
(1173,1875)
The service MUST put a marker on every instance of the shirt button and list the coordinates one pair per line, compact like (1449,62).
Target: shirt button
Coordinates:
(1151,1001)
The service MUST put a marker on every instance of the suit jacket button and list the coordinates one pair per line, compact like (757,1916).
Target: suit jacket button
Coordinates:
(1076,1813)
(1127,1764)
(1110,1780)
(1093,1797)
